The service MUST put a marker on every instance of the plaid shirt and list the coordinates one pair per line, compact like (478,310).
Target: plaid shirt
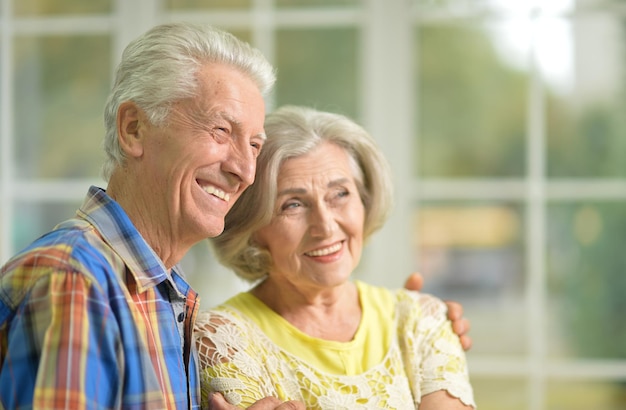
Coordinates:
(91,319)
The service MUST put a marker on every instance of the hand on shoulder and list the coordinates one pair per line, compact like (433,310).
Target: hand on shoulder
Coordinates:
(460,325)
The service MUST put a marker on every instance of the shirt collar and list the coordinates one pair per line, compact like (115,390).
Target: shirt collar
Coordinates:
(120,233)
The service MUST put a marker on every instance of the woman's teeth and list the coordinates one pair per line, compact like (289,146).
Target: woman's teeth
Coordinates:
(325,251)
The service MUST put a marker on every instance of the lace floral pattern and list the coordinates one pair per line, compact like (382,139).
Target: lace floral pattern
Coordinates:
(241,362)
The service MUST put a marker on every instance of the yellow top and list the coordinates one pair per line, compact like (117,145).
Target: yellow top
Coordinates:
(373,336)
(404,348)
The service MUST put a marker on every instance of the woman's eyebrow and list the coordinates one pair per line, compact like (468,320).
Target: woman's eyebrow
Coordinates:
(291,191)
(339,181)
(331,184)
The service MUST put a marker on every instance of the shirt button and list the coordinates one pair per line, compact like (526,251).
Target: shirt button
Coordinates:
(181,317)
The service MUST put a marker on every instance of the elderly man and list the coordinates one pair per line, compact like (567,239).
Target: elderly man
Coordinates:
(97,313)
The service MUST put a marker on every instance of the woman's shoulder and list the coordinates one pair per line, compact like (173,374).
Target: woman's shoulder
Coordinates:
(223,315)
(423,307)
(402,300)
(421,298)
(221,331)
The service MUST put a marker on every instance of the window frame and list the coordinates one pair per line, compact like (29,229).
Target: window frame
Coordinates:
(380,23)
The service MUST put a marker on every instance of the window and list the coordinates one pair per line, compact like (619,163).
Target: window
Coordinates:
(503,122)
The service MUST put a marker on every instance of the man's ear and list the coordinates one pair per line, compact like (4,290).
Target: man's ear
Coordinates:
(130,121)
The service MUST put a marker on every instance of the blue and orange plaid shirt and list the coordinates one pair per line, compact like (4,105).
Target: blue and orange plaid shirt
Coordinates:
(90,318)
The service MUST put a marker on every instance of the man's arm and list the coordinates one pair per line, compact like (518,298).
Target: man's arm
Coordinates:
(59,335)
(460,325)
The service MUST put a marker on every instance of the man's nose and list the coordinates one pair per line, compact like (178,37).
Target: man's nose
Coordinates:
(241,162)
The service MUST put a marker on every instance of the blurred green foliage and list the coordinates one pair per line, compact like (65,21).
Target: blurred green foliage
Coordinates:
(587,271)
(471,110)
(318,68)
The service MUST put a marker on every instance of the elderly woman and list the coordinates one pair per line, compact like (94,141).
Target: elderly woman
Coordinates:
(307,331)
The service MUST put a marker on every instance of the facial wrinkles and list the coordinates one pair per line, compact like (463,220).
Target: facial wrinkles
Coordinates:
(225,123)
(213,126)
(188,162)
(182,153)
(232,101)
(192,116)
(183,128)
(322,212)
(326,212)
(312,181)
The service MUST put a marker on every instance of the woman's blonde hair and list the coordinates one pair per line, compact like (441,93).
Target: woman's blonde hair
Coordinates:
(292,132)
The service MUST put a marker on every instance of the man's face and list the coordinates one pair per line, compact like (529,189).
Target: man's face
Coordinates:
(200,162)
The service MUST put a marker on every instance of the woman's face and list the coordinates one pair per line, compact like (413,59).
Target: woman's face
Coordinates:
(316,234)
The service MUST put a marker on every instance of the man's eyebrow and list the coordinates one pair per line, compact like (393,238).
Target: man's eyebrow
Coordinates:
(226,116)
(203,116)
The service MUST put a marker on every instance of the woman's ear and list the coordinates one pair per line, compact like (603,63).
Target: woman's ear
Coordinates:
(130,120)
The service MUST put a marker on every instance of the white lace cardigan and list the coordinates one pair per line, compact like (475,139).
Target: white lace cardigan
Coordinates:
(239,360)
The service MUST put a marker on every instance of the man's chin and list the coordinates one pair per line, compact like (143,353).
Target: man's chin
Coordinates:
(215,229)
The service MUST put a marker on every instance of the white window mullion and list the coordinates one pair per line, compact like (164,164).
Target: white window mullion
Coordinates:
(6,131)
(387,113)
(264,36)
(536,229)
(131,19)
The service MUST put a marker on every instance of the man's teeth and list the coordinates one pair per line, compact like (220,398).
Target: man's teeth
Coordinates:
(217,192)
(325,251)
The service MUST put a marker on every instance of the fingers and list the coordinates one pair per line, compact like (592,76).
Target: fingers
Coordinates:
(455,310)
(460,325)
(291,405)
(218,402)
(415,281)
(272,403)
(466,342)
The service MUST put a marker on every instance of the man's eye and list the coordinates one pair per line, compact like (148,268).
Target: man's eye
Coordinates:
(220,133)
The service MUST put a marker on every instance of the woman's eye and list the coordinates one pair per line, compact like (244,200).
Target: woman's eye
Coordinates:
(291,206)
(338,197)
(343,193)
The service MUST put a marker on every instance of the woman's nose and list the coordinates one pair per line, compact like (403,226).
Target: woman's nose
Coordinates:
(322,222)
